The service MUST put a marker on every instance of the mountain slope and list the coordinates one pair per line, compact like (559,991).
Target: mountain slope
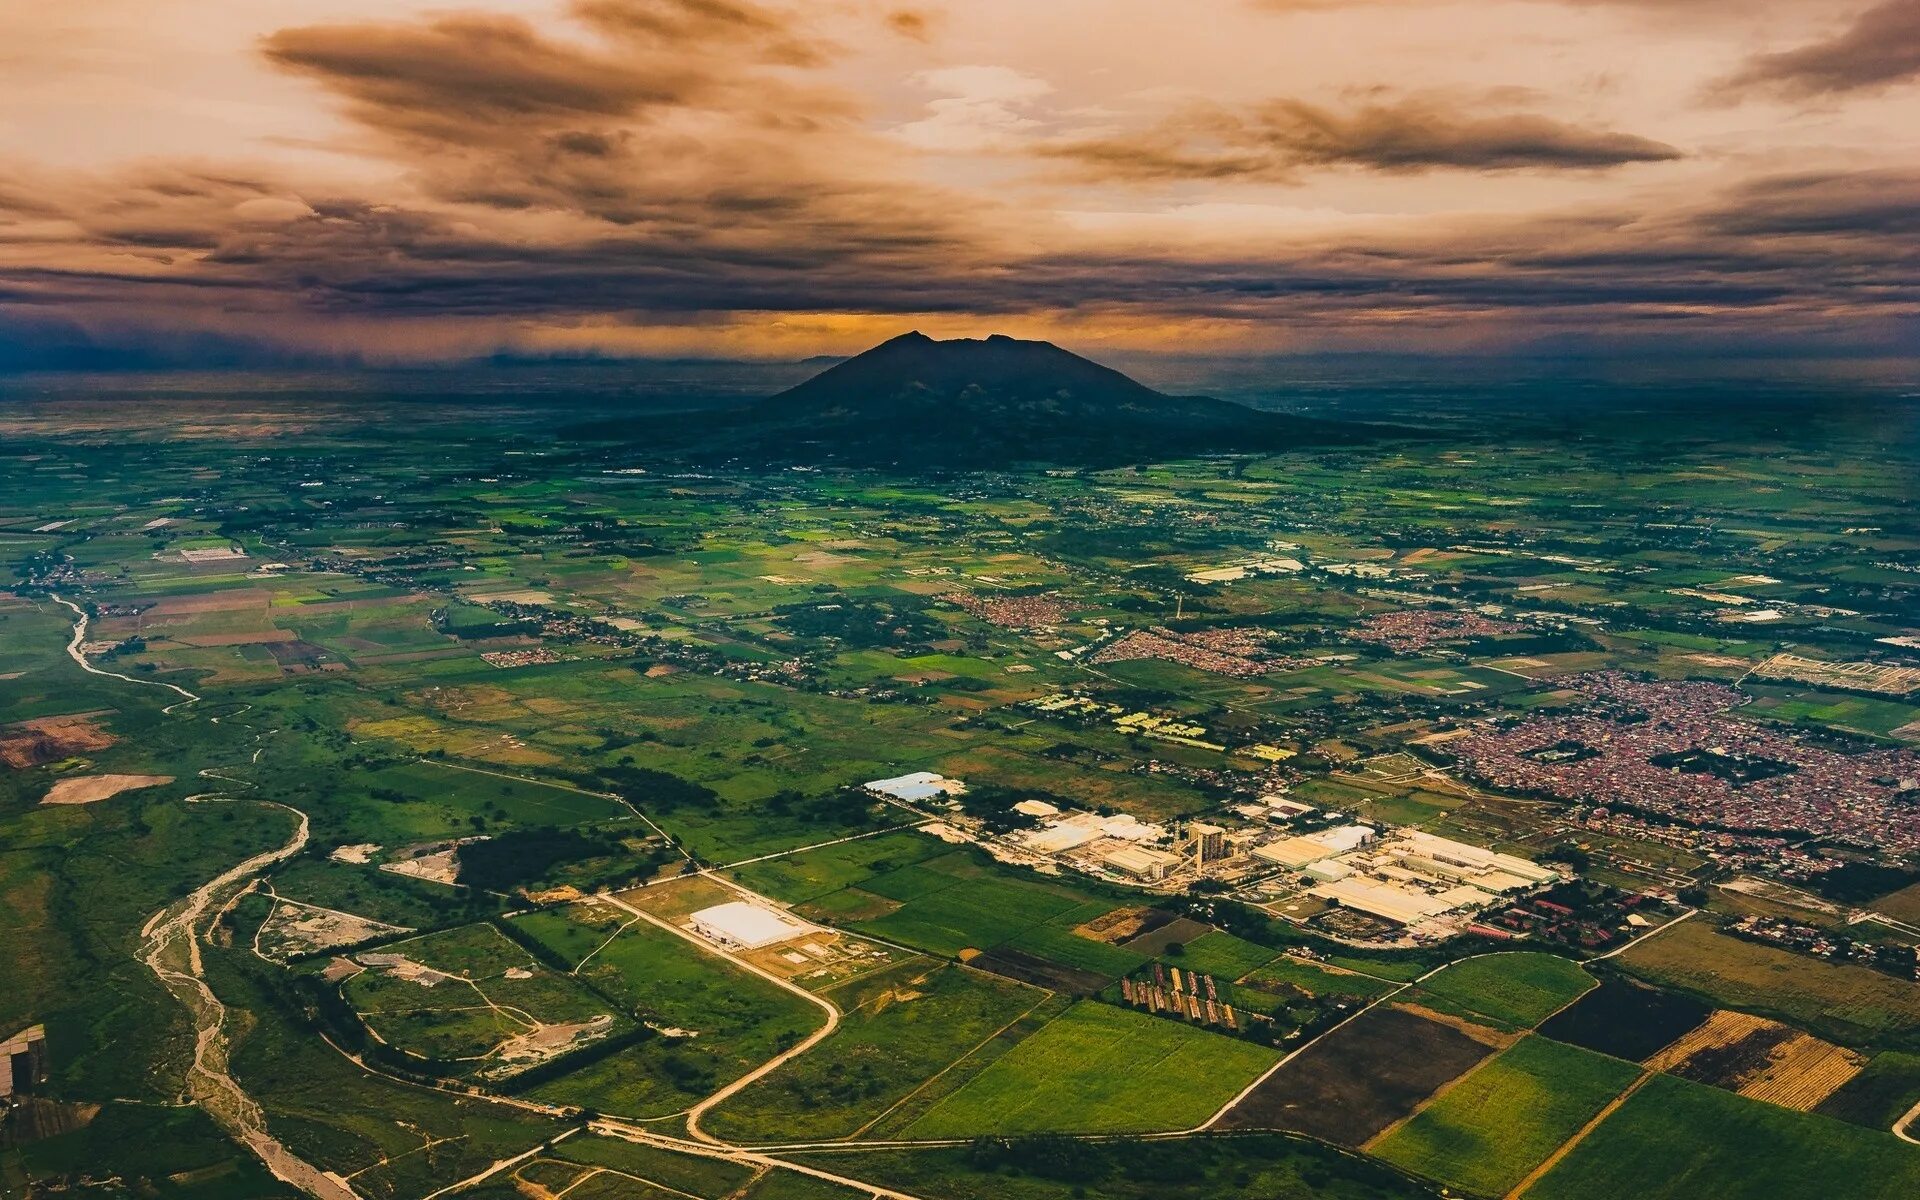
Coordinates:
(969,401)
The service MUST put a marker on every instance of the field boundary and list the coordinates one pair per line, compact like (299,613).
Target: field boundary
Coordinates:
(1579,1135)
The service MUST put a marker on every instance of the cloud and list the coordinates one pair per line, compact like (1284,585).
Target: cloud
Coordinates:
(1663,8)
(1871,205)
(765,34)
(1807,257)
(1277,140)
(686,165)
(1879,49)
(911,23)
(458,78)
(688,119)
(272,210)
(980,109)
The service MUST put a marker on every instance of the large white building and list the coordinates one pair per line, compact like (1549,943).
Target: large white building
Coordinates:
(1307,848)
(739,925)
(1409,877)
(916,785)
(1141,862)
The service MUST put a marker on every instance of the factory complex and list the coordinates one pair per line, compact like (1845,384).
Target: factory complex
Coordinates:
(1401,884)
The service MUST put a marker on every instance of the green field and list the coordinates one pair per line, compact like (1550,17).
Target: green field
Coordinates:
(1318,980)
(1265,1166)
(1100,1069)
(1518,990)
(496,992)
(494,617)
(1487,1131)
(953,903)
(731,1020)
(901,1027)
(1845,1003)
(797,878)
(708,1178)
(1675,1140)
(168,1154)
(417,802)
(1222,955)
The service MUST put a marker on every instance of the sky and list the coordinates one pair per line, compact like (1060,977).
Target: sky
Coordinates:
(198,182)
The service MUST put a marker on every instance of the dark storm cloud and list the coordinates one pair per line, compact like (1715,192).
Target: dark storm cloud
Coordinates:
(479,79)
(743,28)
(459,76)
(679,163)
(1778,255)
(688,119)
(1280,138)
(1880,48)
(1877,205)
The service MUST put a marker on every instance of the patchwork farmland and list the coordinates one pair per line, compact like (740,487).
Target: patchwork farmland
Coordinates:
(530,816)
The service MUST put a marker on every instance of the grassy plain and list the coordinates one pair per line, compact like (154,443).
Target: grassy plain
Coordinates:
(1516,990)
(715,1021)
(1100,1069)
(1675,1140)
(1849,1004)
(900,1029)
(1270,1166)
(1486,1132)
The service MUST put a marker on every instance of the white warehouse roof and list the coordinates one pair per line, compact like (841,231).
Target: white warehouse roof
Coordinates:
(919,785)
(1382,901)
(748,926)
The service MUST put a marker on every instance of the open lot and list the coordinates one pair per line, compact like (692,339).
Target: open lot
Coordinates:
(472,1000)
(713,1022)
(1364,1076)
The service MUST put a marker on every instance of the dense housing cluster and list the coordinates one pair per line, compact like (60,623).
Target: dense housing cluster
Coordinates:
(1416,629)
(1673,749)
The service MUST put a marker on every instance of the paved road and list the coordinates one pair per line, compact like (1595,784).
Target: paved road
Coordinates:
(764,1069)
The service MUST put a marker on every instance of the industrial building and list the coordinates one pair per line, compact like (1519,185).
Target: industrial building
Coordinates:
(1297,852)
(1481,866)
(1076,829)
(1207,843)
(739,925)
(1282,809)
(1410,877)
(1142,862)
(919,785)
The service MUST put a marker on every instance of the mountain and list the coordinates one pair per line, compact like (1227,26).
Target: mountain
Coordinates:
(976,402)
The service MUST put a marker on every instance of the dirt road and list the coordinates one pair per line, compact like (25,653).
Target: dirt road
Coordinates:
(766,1068)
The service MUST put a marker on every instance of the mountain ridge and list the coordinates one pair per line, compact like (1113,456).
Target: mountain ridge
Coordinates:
(999,398)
